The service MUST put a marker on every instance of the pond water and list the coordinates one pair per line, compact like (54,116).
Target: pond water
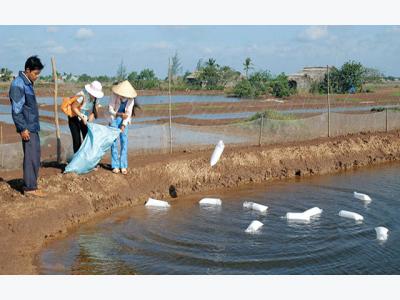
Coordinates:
(188,239)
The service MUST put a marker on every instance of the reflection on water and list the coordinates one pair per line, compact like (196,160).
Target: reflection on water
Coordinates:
(189,239)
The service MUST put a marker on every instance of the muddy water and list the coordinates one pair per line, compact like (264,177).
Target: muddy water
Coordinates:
(187,239)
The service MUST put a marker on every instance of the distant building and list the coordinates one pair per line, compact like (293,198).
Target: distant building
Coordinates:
(304,78)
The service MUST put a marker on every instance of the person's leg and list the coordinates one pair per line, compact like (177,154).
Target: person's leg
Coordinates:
(36,155)
(84,130)
(31,162)
(115,163)
(124,148)
(75,132)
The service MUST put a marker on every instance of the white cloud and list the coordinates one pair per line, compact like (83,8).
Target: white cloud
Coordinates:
(52,29)
(84,34)
(313,33)
(57,50)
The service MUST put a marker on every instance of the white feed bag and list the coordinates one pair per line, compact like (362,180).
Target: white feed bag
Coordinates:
(254,226)
(297,216)
(219,148)
(361,196)
(255,206)
(313,212)
(210,201)
(381,233)
(351,215)
(156,203)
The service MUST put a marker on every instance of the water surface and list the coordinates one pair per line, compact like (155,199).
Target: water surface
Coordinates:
(188,239)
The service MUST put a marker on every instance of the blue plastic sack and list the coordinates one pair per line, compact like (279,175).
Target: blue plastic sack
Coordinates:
(97,142)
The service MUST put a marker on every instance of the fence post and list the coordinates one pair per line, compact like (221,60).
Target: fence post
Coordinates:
(329,104)
(386,119)
(170,106)
(1,143)
(58,135)
(261,127)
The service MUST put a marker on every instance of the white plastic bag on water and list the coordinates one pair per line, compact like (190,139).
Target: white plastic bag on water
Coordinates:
(254,227)
(361,196)
(313,212)
(210,201)
(157,203)
(255,206)
(381,233)
(219,148)
(297,216)
(351,215)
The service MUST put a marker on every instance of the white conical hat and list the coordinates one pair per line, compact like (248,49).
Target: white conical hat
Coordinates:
(124,89)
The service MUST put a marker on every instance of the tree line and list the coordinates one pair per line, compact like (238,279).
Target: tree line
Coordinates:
(250,83)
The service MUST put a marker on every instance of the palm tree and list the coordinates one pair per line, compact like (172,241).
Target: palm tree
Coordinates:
(211,62)
(247,65)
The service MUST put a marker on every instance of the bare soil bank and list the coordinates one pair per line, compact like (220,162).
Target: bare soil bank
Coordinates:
(26,224)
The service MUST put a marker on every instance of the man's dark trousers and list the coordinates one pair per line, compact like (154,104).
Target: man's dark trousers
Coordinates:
(31,161)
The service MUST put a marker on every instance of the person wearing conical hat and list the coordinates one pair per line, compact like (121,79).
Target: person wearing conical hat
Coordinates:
(120,108)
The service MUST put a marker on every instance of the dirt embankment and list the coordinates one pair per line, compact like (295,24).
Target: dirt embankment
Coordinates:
(26,224)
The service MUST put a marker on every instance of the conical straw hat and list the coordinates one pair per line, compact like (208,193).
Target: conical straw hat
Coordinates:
(124,89)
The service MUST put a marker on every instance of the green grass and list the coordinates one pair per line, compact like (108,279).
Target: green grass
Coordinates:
(350,99)
(272,115)
(380,108)
(160,107)
(396,94)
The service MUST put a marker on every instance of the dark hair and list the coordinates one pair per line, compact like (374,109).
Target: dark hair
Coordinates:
(136,105)
(33,63)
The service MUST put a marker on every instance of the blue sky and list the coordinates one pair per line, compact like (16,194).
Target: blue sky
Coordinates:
(98,50)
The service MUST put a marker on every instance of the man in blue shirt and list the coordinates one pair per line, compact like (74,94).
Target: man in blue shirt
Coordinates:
(25,114)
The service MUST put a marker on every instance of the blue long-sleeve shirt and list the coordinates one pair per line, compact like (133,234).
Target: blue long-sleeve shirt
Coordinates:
(25,112)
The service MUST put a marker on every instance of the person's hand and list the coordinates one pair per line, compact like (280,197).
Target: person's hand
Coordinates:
(125,116)
(84,119)
(122,128)
(25,135)
(91,117)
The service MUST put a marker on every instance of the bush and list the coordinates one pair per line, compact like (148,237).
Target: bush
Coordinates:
(244,89)
(279,87)
(272,115)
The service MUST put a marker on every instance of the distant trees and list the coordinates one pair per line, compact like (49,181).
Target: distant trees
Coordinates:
(5,74)
(121,72)
(263,83)
(247,65)
(349,78)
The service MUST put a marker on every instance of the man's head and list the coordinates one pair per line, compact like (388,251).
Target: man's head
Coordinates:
(33,67)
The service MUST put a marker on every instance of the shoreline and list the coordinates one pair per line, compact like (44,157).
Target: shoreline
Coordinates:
(28,224)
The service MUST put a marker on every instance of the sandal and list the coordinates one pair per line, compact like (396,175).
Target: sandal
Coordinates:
(124,171)
(115,170)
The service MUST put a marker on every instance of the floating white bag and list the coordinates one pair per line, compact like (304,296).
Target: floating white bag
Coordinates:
(157,203)
(351,215)
(254,226)
(210,201)
(361,196)
(381,233)
(219,148)
(297,217)
(255,206)
(313,212)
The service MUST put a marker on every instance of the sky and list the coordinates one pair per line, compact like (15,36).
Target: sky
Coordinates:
(98,50)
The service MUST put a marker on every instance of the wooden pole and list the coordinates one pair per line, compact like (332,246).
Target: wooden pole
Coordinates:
(386,119)
(170,106)
(261,127)
(53,64)
(329,104)
(1,143)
